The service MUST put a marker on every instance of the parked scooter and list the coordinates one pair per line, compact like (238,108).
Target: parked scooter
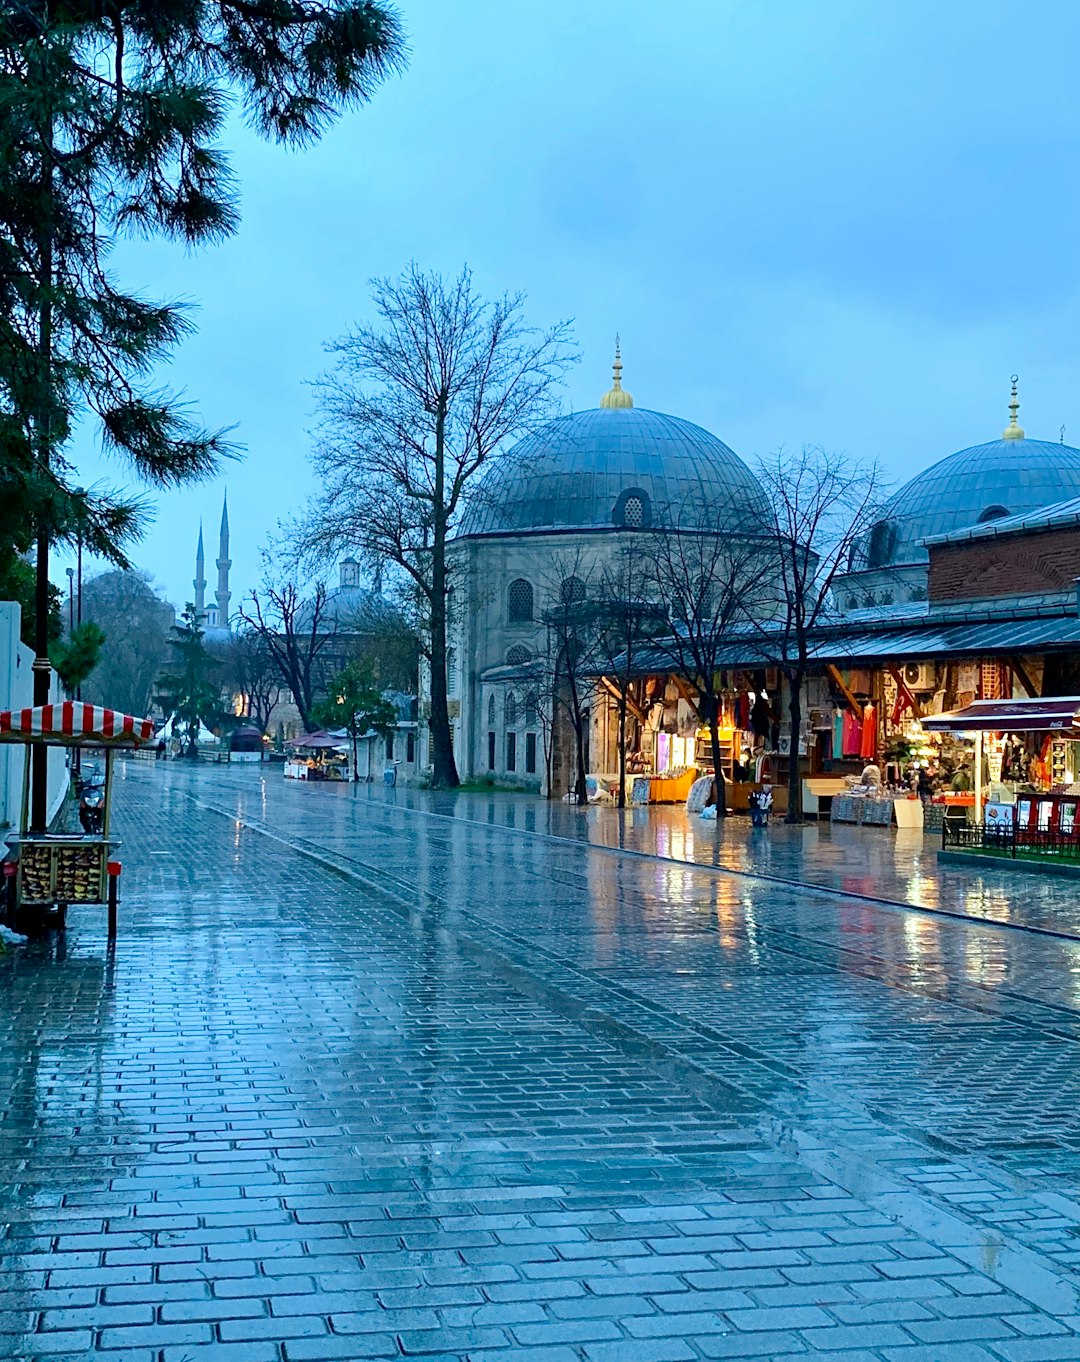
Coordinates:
(91,790)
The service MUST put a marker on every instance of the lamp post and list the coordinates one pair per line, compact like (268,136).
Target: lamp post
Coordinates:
(71,599)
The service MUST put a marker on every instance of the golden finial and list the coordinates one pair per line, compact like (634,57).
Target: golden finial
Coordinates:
(617,397)
(1013,431)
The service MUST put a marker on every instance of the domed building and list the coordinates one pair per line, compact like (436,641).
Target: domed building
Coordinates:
(988,482)
(552,511)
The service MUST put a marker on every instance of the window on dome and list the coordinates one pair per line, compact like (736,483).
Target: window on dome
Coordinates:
(633,510)
(519,601)
(518,655)
(882,544)
(993,513)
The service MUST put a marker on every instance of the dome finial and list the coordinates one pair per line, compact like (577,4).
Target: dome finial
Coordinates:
(617,397)
(1013,431)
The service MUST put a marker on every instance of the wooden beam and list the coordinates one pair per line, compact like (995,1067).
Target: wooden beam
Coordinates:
(1022,676)
(902,687)
(838,680)
(688,693)
(631,704)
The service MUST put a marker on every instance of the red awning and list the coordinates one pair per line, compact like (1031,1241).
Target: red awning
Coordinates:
(1055,714)
(73,724)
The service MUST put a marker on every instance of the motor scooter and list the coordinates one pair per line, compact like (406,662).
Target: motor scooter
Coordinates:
(92,805)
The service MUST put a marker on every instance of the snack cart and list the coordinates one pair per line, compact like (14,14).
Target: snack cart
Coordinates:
(49,871)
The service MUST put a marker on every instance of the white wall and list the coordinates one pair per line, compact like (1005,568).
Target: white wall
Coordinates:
(17,692)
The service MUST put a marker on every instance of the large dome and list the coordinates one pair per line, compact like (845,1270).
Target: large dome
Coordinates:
(618,466)
(1011,476)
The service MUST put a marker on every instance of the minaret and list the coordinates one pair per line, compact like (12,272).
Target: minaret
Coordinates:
(224,563)
(200,578)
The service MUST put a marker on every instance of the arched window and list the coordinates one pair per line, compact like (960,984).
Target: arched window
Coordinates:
(451,671)
(633,510)
(993,513)
(518,655)
(572,589)
(491,711)
(882,544)
(519,601)
(510,709)
(532,709)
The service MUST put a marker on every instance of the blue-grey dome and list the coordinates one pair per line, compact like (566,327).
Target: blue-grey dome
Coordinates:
(615,466)
(973,486)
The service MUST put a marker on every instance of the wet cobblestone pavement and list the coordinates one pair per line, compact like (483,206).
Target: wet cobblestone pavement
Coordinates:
(364,1082)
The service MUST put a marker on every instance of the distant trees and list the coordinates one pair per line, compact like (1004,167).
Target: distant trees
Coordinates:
(136,624)
(416,403)
(570,622)
(355,703)
(820,503)
(189,692)
(248,673)
(709,584)
(625,617)
(297,628)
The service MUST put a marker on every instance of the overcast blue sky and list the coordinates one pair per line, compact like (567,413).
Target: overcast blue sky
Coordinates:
(831,222)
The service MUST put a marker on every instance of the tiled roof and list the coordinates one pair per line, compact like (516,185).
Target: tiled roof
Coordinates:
(1060,515)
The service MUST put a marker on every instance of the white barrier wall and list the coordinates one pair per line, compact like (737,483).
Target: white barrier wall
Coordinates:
(16,692)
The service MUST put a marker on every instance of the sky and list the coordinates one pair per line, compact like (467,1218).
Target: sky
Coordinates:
(833,223)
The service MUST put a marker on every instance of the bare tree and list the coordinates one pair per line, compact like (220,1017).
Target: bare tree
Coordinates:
(248,670)
(299,632)
(414,406)
(570,620)
(707,580)
(821,504)
(626,616)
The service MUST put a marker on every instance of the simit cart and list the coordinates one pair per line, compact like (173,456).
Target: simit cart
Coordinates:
(49,871)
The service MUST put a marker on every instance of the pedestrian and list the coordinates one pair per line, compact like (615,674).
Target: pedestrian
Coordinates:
(760,806)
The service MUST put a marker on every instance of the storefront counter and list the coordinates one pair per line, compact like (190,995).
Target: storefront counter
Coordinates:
(880,812)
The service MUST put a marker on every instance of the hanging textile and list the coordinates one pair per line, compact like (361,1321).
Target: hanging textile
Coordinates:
(742,713)
(852,742)
(992,681)
(838,733)
(868,742)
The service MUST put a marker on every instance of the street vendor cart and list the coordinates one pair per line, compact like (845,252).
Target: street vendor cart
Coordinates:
(47,871)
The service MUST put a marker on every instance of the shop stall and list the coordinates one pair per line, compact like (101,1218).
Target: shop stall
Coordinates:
(317,756)
(1026,793)
(46,872)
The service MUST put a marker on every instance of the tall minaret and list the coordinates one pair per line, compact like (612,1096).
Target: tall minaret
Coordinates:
(224,563)
(200,578)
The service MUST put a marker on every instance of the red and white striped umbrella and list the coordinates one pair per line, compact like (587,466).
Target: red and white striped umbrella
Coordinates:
(73,723)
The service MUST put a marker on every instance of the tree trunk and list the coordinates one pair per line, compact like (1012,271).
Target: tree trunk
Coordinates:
(622,749)
(39,756)
(794,809)
(718,764)
(355,760)
(444,774)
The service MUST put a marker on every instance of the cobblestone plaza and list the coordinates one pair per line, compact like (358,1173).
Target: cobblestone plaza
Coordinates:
(374,1073)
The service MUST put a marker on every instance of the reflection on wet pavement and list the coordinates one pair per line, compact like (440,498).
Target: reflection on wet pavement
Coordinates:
(436,1088)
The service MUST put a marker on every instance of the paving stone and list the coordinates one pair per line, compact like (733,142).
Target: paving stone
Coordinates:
(541,1111)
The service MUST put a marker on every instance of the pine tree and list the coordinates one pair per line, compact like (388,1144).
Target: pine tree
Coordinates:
(110,114)
(188,693)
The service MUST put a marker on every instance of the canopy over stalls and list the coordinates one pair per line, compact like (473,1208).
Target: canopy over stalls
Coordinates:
(319,740)
(73,724)
(1058,715)
(172,729)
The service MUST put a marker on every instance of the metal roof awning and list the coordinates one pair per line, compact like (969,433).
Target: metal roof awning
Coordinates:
(1059,715)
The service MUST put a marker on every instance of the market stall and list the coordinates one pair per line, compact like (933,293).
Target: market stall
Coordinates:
(1027,756)
(318,756)
(49,871)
